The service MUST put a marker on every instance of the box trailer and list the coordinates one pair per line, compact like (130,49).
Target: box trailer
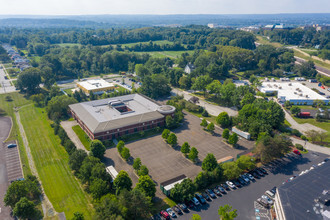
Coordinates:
(112,171)
(166,186)
(304,114)
(243,134)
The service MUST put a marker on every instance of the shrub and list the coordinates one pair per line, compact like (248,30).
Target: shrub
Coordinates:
(295,132)
(299,147)
(204,123)
(205,113)
(120,146)
(225,133)
(172,139)
(165,133)
(303,137)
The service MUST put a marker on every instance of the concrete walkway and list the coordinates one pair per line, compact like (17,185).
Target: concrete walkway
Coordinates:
(67,126)
(212,109)
(310,146)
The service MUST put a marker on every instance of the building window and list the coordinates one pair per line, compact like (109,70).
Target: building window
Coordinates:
(126,131)
(135,129)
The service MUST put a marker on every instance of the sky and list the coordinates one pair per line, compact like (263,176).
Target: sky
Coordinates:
(84,7)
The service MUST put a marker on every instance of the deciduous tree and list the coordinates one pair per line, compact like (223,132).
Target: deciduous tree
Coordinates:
(209,162)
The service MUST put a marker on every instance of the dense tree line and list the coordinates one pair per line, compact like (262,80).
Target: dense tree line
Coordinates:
(4,58)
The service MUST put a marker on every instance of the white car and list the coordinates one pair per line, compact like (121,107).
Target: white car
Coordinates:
(250,176)
(270,202)
(231,185)
(171,212)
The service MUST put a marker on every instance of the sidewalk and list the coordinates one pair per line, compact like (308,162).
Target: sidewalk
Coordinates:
(67,126)
(312,147)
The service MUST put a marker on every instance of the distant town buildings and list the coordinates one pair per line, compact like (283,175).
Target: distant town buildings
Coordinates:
(276,27)
(212,25)
(20,62)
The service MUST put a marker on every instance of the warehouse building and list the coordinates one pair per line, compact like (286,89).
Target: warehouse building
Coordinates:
(97,86)
(111,118)
(296,93)
(305,197)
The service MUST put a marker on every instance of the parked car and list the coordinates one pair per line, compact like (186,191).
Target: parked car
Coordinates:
(259,172)
(221,189)
(273,190)
(237,184)
(171,212)
(296,152)
(200,198)
(11,145)
(177,210)
(165,214)
(195,201)
(183,207)
(255,174)
(231,185)
(216,191)
(263,170)
(211,193)
(245,178)
(224,185)
(190,204)
(269,201)
(263,202)
(270,194)
(250,176)
(241,181)
(206,196)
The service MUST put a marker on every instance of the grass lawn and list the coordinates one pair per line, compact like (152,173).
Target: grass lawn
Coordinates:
(264,40)
(323,125)
(18,100)
(68,45)
(317,62)
(68,91)
(159,42)
(85,140)
(51,160)
(171,54)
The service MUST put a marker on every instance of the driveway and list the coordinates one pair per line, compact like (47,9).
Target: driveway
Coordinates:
(243,199)
(211,108)
(5,86)
(310,146)
(5,125)
(67,126)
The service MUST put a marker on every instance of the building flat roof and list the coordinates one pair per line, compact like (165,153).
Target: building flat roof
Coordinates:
(298,197)
(291,91)
(100,116)
(95,84)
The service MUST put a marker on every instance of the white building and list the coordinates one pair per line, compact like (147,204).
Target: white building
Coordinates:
(97,86)
(294,92)
(189,68)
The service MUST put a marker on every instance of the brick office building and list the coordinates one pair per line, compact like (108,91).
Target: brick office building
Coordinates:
(107,119)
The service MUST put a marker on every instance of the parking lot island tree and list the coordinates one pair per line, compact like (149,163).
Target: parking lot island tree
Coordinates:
(204,123)
(172,139)
(97,149)
(137,164)
(125,154)
(231,170)
(210,127)
(196,217)
(122,181)
(143,170)
(147,185)
(209,162)
(185,148)
(225,133)
(120,146)
(223,120)
(226,213)
(233,139)
(166,133)
(193,154)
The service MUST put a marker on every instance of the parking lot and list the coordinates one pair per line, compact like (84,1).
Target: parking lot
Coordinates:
(244,199)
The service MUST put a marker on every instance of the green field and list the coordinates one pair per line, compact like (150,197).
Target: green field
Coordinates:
(171,54)
(18,100)
(85,140)
(264,40)
(159,42)
(68,45)
(317,62)
(51,160)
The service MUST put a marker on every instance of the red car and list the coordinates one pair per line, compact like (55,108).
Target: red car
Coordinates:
(165,214)
(296,152)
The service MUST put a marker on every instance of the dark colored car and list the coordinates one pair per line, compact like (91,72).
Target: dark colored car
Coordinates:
(259,172)
(263,170)
(211,193)
(222,190)
(11,145)
(224,185)
(216,191)
(183,207)
(189,204)
(206,196)
(200,198)
(241,181)
(177,210)
(236,183)
(255,174)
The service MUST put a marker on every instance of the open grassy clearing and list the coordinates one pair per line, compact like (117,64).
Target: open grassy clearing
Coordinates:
(159,42)
(85,140)
(264,40)
(317,62)
(68,45)
(51,160)
(323,125)
(171,54)
(18,100)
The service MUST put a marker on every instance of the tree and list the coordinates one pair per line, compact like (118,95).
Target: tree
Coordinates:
(223,120)
(98,188)
(247,99)
(97,149)
(201,83)
(312,134)
(185,148)
(170,122)
(122,181)
(209,162)
(246,163)
(143,170)
(204,123)
(147,185)
(155,86)
(202,180)
(125,153)
(58,107)
(29,80)
(225,133)
(108,208)
(76,159)
(196,217)
(295,110)
(120,146)
(231,170)
(322,135)
(166,133)
(25,209)
(78,216)
(172,139)
(137,163)
(193,155)
(226,213)
(210,127)
(183,191)
(233,139)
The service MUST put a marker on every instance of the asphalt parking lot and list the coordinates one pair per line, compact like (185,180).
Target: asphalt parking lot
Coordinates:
(243,199)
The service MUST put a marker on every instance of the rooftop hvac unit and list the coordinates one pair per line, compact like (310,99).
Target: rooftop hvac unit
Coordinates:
(297,89)
(306,96)
(280,87)
(290,84)
(295,92)
(300,94)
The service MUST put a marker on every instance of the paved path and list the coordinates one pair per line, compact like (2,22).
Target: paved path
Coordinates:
(67,126)
(212,109)
(5,85)
(310,146)
(319,69)
(47,206)
(5,126)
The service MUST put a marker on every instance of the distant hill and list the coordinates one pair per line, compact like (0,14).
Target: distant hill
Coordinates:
(103,21)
